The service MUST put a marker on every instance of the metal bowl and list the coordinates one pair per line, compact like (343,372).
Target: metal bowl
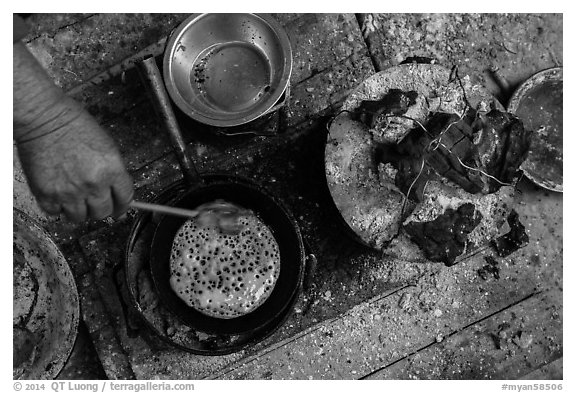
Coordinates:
(48,318)
(227,69)
(538,102)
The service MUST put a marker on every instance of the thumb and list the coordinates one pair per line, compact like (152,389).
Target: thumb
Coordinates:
(122,193)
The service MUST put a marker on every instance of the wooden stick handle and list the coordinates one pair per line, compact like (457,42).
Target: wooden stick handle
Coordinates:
(174,211)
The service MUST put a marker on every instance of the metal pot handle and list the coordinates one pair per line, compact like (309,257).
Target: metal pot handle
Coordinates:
(150,74)
(311,262)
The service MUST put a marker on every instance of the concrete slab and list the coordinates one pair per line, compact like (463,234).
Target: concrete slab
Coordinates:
(73,49)
(517,45)
(506,345)
(550,371)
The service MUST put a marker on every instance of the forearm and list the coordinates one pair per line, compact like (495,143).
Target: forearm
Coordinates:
(72,165)
(39,106)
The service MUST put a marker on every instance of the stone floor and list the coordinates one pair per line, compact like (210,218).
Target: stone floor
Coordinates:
(365,315)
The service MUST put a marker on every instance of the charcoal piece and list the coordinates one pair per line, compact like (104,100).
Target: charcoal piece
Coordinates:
(418,60)
(444,239)
(490,269)
(513,240)
(490,260)
(396,102)
(452,134)
(452,147)
(461,150)
(502,146)
(407,158)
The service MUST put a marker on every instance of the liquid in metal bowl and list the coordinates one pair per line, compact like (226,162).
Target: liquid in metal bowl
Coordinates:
(227,69)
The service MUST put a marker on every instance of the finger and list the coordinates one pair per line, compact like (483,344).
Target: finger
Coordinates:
(75,211)
(122,194)
(100,206)
(52,208)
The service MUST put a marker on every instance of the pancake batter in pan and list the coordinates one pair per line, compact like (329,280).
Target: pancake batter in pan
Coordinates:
(224,275)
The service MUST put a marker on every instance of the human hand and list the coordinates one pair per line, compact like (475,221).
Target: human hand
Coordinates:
(76,168)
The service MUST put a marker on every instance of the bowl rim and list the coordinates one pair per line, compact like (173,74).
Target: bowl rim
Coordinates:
(171,47)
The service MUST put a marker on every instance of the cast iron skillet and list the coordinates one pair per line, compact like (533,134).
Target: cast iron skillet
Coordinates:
(145,226)
(233,189)
(275,218)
